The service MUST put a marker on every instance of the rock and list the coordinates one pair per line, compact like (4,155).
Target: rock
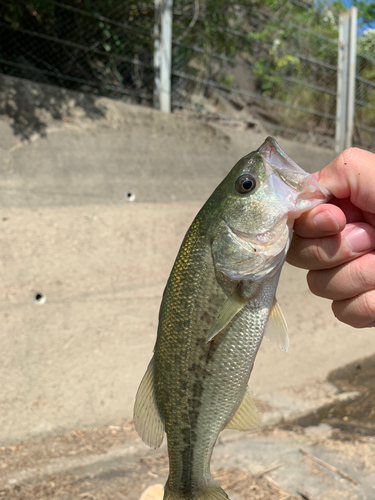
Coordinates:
(154,492)
(321,431)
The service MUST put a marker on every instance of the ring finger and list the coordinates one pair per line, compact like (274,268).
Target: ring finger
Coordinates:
(345,281)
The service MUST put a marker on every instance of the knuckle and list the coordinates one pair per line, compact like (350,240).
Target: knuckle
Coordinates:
(348,156)
(366,305)
(337,311)
(295,254)
(313,282)
(358,312)
(345,314)
(322,250)
(319,251)
(361,275)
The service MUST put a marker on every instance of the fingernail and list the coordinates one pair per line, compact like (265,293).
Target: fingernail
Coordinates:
(359,240)
(325,221)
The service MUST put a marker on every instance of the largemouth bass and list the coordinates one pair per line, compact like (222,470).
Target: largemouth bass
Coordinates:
(215,308)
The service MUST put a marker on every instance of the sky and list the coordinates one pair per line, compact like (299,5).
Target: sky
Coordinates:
(361,29)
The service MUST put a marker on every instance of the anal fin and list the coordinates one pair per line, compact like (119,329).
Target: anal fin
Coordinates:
(277,329)
(246,417)
(147,420)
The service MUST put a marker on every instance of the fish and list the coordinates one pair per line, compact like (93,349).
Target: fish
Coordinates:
(217,303)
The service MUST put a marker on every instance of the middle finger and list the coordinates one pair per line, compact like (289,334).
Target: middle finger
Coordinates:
(332,251)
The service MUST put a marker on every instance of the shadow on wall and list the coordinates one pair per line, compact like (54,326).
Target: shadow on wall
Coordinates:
(31,106)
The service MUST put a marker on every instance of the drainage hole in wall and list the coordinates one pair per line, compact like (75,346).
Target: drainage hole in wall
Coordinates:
(39,298)
(130,195)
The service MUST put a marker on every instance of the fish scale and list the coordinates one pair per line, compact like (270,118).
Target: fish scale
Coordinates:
(215,307)
(213,377)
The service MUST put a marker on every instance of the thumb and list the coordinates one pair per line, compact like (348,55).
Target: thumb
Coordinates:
(351,175)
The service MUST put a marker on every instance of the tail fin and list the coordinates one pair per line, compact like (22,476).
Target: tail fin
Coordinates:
(210,491)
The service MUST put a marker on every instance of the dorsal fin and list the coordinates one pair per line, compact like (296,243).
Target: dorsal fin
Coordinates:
(277,329)
(147,420)
(246,417)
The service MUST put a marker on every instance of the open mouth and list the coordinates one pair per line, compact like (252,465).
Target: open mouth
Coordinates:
(306,189)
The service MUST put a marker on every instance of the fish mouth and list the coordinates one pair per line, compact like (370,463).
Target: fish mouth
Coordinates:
(291,173)
(296,186)
(275,156)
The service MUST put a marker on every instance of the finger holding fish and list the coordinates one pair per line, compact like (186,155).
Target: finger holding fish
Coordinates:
(341,263)
(325,253)
(345,281)
(341,269)
(358,311)
(320,222)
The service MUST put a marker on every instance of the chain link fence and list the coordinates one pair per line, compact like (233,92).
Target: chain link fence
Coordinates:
(272,63)
(270,70)
(74,45)
(364,115)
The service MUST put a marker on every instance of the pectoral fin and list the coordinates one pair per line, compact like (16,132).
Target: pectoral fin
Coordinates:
(277,329)
(147,420)
(227,312)
(246,417)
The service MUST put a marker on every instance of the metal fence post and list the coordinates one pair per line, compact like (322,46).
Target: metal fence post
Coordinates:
(165,55)
(346,69)
(157,54)
(351,76)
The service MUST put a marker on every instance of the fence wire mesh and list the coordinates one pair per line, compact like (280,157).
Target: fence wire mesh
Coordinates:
(272,62)
(364,115)
(74,45)
(257,64)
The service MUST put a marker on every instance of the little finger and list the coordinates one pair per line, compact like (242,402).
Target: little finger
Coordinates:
(358,311)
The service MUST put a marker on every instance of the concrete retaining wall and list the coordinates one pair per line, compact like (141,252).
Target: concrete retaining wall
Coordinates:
(100,262)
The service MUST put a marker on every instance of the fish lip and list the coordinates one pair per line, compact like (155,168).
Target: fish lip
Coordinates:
(269,145)
(306,188)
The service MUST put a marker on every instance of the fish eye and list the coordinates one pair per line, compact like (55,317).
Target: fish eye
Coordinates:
(245,184)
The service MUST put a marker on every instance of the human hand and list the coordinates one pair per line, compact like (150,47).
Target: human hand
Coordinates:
(336,241)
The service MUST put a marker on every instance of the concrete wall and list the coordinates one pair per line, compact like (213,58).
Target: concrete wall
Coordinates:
(101,262)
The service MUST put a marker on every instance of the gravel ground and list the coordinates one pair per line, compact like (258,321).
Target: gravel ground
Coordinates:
(110,463)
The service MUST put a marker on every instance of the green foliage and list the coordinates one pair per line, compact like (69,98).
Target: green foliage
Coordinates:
(366,11)
(366,43)
(210,37)
(81,40)
(227,81)
(203,24)
(365,92)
